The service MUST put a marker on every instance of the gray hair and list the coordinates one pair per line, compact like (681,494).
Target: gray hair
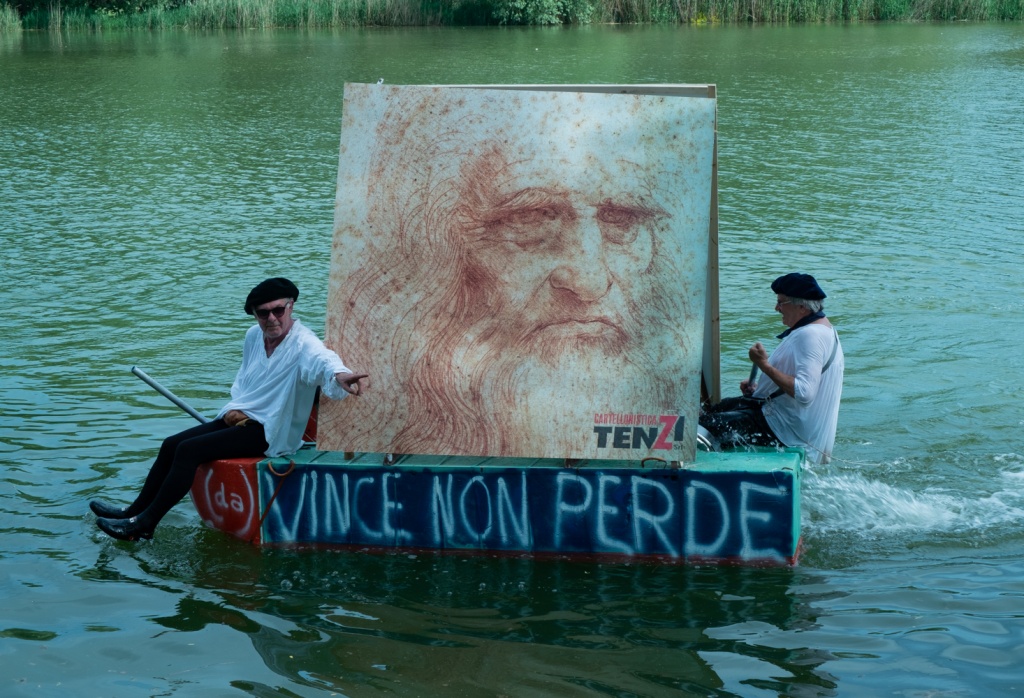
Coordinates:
(813,306)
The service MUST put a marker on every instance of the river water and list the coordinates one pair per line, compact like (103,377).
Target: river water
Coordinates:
(147,181)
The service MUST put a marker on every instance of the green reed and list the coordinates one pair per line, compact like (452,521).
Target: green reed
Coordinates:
(10,22)
(237,14)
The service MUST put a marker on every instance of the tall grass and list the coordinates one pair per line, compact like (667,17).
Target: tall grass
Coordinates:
(10,22)
(238,14)
(225,14)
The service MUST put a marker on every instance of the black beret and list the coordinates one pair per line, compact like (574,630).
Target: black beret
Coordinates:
(798,286)
(270,290)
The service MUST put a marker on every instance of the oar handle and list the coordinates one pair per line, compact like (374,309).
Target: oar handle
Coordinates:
(167,394)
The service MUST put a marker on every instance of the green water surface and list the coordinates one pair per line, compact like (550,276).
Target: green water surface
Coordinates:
(147,181)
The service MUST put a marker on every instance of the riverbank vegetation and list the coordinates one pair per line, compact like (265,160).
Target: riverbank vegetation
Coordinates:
(100,15)
(9,19)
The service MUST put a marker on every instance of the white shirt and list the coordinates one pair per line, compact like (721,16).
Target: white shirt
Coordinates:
(809,418)
(278,390)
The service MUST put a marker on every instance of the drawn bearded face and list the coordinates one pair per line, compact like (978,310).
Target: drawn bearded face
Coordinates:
(558,263)
(560,286)
(515,275)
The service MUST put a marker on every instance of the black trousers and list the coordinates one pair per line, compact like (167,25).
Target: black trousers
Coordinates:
(170,478)
(738,422)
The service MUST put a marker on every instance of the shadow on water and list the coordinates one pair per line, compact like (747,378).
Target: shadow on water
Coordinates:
(423,624)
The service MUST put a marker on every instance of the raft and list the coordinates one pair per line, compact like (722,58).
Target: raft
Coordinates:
(606,462)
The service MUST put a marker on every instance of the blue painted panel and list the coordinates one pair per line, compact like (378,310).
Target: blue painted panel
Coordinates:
(718,512)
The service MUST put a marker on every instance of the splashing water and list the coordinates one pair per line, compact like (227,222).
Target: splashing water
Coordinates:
(853,503)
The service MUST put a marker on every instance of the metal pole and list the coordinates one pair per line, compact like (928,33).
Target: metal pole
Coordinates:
(167,394)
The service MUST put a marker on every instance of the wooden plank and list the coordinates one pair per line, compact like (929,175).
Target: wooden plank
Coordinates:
(668,89)
(711,389)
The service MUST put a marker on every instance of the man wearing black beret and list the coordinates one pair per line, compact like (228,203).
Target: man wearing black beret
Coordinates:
(797,403)
(283,365)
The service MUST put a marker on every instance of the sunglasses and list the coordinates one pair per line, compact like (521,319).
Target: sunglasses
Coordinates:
(264,313)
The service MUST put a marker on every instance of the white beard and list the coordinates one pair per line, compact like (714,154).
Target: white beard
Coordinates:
(544,405)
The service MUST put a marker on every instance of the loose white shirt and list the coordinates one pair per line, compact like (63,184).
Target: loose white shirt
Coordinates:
(809,418)
(278,390)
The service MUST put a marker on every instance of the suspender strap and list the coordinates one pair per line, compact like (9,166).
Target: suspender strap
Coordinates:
(831,358)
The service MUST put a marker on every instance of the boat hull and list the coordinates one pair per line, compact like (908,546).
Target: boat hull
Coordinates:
(725,507)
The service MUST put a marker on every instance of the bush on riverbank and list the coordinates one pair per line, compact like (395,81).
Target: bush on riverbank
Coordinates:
(227,14)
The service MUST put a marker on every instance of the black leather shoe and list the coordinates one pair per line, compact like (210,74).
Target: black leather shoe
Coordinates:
(108,510)
(124,529)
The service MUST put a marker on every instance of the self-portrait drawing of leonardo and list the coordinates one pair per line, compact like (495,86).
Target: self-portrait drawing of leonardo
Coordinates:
(521,271)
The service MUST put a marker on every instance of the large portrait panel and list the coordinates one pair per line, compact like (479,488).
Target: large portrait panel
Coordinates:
(522,272)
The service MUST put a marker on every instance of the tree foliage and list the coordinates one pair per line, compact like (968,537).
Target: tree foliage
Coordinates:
(543,11)
(95,14)
(25,7)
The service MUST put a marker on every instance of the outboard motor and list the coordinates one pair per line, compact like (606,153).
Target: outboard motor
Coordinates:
(706,441)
